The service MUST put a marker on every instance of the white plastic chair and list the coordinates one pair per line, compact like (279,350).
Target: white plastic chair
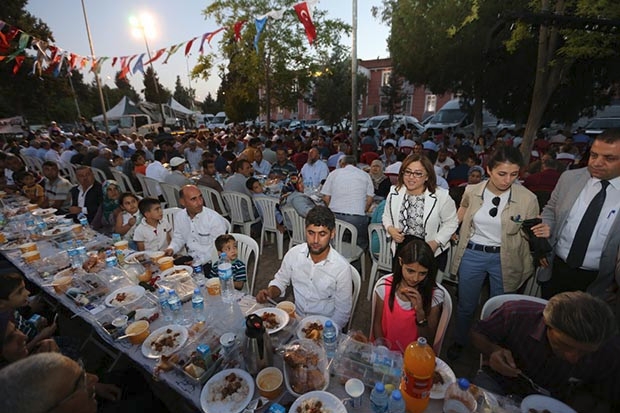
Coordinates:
(145,188)
(213,200)
(99,175)
(381,261)
(36,164)
(357,286)
(349,250)
(297,233)
(238,204)
(246,246)
(266,207)
(154,187)
(124,182)
(169,214)
(170,193)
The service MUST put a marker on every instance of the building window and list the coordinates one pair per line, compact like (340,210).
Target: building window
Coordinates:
(385,77)
(430,103)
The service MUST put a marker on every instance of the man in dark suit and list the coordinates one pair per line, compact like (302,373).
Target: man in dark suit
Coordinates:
(87,196)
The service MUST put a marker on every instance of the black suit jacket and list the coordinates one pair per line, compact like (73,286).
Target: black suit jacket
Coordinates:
(94,198)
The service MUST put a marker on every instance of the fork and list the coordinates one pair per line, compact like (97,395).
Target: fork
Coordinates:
(535,386)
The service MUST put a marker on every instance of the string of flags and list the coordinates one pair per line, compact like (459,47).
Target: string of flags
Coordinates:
(50,59)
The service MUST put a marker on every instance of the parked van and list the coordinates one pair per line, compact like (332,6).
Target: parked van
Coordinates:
(219,121)
(451,115)
(383,122)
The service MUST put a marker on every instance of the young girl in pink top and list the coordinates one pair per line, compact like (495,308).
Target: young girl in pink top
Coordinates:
(407,302)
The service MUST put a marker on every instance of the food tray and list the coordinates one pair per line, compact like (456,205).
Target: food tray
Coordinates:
(87,290)
(366,362)
(104,319)
(303,373)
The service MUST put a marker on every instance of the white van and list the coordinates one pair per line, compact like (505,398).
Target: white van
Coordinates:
(219,121)
(452,116)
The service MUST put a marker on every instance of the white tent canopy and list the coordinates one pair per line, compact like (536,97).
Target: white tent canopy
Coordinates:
(177,107)
(124,107)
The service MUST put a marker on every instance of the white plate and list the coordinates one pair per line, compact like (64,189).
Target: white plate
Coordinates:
(281,316)
(540,403)
(228,406)
(56,232)
(179,341)
(134,292)
(10,245)
(314,319)
(132,258)
(438,391)
(44,212)
(176,268)
(330,402)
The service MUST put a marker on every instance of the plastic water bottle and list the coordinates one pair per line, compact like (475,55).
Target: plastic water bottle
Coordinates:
(112,271)
(175,306)
(164,307)
(74,258)
(396,403)
(199,278)
(198,306)
(330,339)
(458,398)
(2,219)
(83,219)
(378,398)
(82,254)
(224,272)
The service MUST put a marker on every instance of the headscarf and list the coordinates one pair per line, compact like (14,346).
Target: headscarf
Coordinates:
(109,205)
(377,178)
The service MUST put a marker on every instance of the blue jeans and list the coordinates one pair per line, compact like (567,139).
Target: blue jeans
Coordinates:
(475,265)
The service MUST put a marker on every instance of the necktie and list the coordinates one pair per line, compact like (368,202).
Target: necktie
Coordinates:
(586,227)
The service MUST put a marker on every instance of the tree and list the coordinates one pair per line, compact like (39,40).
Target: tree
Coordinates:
(122,83)
(210,105)
(152,93)
(284,65)
(392,96)
(183,95)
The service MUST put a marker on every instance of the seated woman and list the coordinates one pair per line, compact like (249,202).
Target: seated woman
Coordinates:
(105,219)
(408,303)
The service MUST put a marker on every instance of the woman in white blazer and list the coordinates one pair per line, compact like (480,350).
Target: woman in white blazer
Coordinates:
(417,208)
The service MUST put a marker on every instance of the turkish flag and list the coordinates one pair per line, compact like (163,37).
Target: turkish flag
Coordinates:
(304,17)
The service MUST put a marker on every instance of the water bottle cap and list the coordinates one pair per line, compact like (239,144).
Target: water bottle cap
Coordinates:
(396,395)
(463,383)
(173,292)
(329,324)
(161,290)
(379,387)
(223,255)
(196,290)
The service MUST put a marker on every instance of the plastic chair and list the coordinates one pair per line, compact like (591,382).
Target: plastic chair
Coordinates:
(154,187)
(124,181)
(35,164)
(246,246)
(238,204)
(357,286)
(99,175)
(213,200)
(297,233)
(169,214)
(145,188)
(170,193)
(393,178)
(381,261)
(349,250)
(266,207)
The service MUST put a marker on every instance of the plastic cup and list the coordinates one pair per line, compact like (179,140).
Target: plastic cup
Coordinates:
(120,321)
(156,255)
(213,286)
(355,390)
(121,245)
(140,329)
(289,307)
(145,276)
(77,228)
(61,284)
(165,263)
(2,237)
(31,256)
(269,382)
(27,247)
(32,207)
(228,341)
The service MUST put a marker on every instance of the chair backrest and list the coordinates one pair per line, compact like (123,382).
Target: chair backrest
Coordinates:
(213,200)
(357,286)
(169,214)
(368,157)
(494,303)
(145,188)
(170,193)
(154,188)
(298,225)
(124,180)
(99,175)
(34,163)
(444,319)
(384,255)
(238,203)
(266,207)
(393,178)
(342,228)
(246,246)
(118,178)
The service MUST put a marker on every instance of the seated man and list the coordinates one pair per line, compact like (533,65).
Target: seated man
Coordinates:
(568,347)
(319,275)
(87,196)
(196,227)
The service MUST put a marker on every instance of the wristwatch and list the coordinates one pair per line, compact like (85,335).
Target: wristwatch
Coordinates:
(422,323)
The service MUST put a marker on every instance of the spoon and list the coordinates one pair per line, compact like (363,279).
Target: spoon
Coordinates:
(535,386)
(126,335)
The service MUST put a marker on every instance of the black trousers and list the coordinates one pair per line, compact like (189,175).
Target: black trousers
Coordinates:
(564,278)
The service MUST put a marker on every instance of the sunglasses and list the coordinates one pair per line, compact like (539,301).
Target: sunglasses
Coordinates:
(493,211)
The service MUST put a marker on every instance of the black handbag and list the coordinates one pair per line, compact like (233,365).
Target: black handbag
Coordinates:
(539,247)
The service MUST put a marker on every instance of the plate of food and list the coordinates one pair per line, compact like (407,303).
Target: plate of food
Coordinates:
(178,271)
(318,401)
(312,326)
(56,232)
(442,378)
(229,391)
(537,403)
(124,296)
(11,245)
(164,341)
(274,319)
(44,212)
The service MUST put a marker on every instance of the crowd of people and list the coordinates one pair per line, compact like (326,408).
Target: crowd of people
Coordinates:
(450,203)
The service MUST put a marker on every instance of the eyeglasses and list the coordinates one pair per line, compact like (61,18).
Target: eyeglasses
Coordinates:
(493,211)
(415,174)
(80,384)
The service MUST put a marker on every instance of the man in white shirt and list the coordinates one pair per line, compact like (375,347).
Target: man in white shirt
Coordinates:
(319,275)
(196,227)
(53,154)
(176,177)
(156,169)
(349,192)
(193,154)
(314,171)
(261,166)
(443,163)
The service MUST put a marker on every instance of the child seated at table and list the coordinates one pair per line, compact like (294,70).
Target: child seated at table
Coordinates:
(154,232)
(256,188)
(31,190)
(127,220)
(228,244)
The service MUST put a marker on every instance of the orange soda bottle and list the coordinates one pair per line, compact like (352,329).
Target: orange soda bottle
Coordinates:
(417,380)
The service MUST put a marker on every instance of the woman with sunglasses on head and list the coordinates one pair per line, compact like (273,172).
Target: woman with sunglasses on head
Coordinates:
(490,239)
(416,208)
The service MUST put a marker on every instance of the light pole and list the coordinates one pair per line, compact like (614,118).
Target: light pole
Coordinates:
(354,79)
(140,24)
